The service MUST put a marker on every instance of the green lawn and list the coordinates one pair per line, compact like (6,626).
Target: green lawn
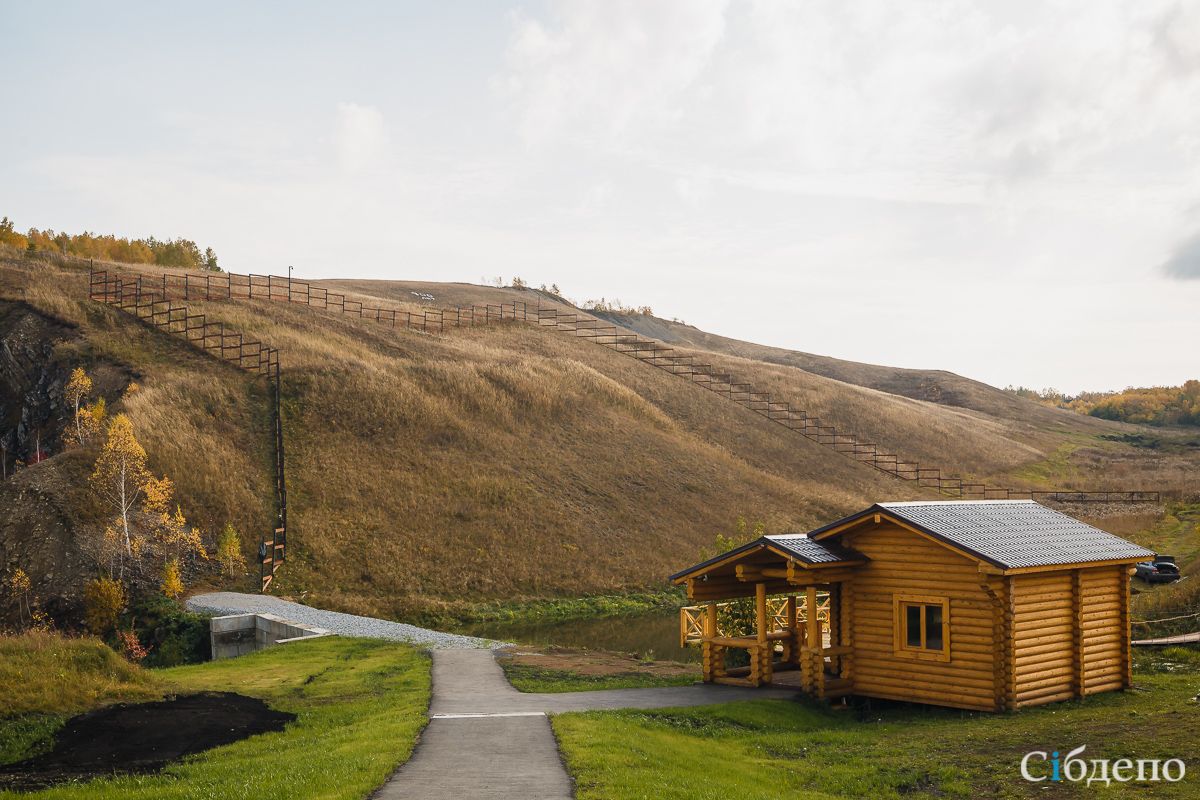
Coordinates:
(360,705)
(528,678)
(778,749)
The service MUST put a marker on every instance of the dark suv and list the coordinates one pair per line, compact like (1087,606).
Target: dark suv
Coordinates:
(1161,570)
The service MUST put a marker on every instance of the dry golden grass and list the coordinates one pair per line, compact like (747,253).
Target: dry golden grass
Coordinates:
(961,442)
(504,461)
(44,673)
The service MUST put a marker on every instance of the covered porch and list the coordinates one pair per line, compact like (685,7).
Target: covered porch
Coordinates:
(802,625)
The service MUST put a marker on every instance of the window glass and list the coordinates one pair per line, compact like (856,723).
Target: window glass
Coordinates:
(913,625)
(933,627)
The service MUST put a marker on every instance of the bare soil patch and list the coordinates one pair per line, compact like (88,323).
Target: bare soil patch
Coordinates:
(144,737)
(594,662)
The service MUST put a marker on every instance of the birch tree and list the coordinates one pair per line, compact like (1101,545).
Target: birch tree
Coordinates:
(78,388)
(120,475)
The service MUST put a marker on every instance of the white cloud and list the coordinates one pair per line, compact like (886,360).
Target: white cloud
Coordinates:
(879,96)
(608,70)
(360,136)
(953,169)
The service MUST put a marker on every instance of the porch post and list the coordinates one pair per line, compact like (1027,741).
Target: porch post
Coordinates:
(810,657)
(765,656)
(792,655)
(708,654)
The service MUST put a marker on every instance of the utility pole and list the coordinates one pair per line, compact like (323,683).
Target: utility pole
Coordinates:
(289,283)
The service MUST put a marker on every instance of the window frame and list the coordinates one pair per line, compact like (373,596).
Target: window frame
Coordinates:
(901,602)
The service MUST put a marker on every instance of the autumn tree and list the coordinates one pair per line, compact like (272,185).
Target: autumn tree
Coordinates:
(21,588)
(9,236)
(78,388)
(29,611)
(171,584)
(120,476)
(103,600)
(229,551)
(98,412)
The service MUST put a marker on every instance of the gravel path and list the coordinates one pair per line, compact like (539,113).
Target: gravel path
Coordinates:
(224,603)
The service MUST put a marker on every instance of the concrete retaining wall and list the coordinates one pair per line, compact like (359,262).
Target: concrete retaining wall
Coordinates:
(239,634)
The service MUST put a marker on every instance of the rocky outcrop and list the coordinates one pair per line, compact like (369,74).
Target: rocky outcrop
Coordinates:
(39,536)
(32,412)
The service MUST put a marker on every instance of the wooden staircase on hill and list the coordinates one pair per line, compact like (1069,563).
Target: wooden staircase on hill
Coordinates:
(229,286)
(152,299)
(131,295)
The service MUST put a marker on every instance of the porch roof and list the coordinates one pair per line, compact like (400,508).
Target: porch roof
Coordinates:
(796,547)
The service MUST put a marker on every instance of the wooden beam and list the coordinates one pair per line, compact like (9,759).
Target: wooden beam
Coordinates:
(1074,565)
(810,678)
(765,654)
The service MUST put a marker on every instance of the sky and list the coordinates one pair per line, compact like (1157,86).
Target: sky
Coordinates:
(1006,190)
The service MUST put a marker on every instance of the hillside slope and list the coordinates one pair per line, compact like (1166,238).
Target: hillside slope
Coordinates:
(427,470)
(931,385)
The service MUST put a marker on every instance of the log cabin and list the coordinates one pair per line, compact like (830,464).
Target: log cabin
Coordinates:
(985,605)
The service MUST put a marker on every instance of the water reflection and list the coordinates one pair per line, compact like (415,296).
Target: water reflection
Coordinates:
(634,634)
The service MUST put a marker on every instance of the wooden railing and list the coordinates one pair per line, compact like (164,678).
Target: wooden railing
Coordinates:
(148,303)
(153,300)
(229,286)
(692,618)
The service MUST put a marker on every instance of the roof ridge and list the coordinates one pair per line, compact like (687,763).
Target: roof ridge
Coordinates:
(954,503)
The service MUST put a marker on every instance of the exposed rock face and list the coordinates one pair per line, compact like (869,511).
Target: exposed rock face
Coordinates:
(38,535)
(32,412)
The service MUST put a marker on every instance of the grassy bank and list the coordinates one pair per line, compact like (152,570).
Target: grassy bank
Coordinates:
(360,705)
(46,677)
(770,749)
(48,673)
(519,611)
(539,679)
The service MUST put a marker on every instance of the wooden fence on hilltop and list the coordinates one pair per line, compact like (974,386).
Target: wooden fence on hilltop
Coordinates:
(153,300)
(148,303)
(229,286)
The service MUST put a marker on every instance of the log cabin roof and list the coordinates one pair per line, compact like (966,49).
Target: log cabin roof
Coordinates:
(795,546)
(1009,534)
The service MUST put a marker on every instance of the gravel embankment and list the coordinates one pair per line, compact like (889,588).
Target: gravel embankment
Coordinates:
(224,603)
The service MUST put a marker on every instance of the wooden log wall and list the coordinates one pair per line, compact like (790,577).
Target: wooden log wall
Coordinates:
(1044,637)
(1070,633)
(906,563)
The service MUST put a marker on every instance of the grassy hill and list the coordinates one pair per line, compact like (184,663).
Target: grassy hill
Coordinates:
(427,471)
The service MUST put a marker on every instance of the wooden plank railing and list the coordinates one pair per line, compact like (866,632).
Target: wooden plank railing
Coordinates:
(150,302)
(692,618)
(229,286)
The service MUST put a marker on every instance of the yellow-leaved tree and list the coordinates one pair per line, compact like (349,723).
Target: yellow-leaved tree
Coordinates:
(171,585)
(29,613)
(102,602)
(120,476)
(229,551)
(78,388)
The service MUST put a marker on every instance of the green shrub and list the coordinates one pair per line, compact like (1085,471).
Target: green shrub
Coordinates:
(173,636)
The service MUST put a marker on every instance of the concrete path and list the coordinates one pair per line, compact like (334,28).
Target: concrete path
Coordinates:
(487,740)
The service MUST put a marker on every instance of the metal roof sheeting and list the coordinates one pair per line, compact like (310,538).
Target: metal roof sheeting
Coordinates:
(1012,534)
(798,545)
(813,552)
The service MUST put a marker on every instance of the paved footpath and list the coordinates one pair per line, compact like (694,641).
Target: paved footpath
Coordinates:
(486,740)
